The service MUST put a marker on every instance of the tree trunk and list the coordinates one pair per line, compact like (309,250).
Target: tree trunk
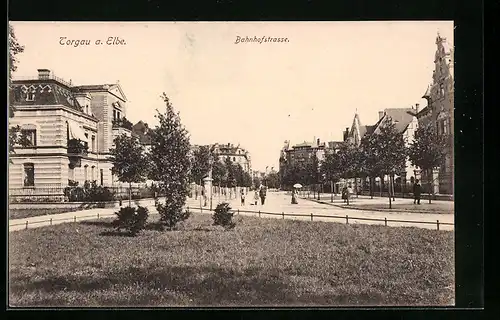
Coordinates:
(431,182)
(389,193)
(331,189)
(371,187)
(381,185)
(392,189)
(129,194)
(356,186)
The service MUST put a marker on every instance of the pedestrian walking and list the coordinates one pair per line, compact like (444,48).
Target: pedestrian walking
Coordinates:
(345,193)
(294,196)
(262,195)
(417,190)
(256,196)
(242,195)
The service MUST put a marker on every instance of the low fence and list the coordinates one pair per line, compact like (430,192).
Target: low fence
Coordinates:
(60,194)
(260,213)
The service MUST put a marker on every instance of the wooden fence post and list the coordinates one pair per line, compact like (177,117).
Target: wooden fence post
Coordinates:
(98,216)
(238,211)
(26,224)
(74,219)
(438,225)
(346,219)
(311,216)
(259,213)
(283,214)
(50,221)
(385,220)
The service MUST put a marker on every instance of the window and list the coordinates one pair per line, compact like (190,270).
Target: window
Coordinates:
(29,175)
(114,114)
(102,177)
(93,144)
(87,109)
(445,126)
(29,137)
(86,136)
(441,89)
(92,173)
(234,158)
(86,172)
(30,96)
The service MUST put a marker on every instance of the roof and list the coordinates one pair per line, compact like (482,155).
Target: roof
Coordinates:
(46,92)
(101,87)
(335,144)
(400,117)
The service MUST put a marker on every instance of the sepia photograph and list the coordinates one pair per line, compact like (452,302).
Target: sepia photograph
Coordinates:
(231,164)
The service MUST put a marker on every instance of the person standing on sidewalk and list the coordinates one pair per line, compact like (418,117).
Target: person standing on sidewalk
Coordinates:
(256,197)
(262,194)
(417,190)
(242,195)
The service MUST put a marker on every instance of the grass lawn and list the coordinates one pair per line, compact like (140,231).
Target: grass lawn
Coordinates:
(27,213)
(260,262)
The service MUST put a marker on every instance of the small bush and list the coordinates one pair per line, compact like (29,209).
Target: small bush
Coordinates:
(171,214)
(223,216)
(131,219)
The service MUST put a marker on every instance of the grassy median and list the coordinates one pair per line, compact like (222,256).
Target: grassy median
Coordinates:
(262,262)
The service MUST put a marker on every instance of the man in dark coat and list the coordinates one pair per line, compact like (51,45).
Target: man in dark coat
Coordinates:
(262,194)
(417,190)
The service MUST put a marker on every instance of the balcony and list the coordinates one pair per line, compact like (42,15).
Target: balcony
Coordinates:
(76,150)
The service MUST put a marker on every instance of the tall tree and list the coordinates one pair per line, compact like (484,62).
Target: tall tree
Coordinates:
(170,153)
(15,48)
(428,151)
(200,164)
(330,168)
(219,173)
(273,180)
(390,148)
(130,163)
(231,173)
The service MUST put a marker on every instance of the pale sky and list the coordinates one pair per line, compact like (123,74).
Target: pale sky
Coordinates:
(257,95)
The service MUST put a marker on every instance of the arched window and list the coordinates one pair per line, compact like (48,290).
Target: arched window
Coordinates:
(92,173)
(86,172)
(29,175)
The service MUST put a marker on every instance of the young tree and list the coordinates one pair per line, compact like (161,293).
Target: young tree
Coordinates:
(428,151)
(170,153)
(200,165)
(219,173)
(389,146)
(313,173)
(369,159)
(273,180)
(15,48)
(330,168)
(129,161)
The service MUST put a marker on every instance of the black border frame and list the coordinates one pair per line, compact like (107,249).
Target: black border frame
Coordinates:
(469,137)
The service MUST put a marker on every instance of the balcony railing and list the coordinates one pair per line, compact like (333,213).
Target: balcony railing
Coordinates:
(51,77)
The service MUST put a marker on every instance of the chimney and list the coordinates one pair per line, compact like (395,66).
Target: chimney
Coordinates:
(417,107)
(317,141)
(380,114)
(43,74)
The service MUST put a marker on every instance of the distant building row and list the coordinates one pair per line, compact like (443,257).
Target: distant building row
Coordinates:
(438,113)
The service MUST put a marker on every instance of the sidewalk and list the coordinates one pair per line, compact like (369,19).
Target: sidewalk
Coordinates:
(382,204)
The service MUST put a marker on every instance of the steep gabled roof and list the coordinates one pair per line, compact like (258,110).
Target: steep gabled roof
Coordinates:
(401,117)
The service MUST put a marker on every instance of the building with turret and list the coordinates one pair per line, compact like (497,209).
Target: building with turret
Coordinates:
(439,112)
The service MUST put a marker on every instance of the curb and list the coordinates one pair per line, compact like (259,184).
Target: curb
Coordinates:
(374,209)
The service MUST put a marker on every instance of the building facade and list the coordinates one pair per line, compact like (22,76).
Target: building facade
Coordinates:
(69,130)
(439,112)
(236,154)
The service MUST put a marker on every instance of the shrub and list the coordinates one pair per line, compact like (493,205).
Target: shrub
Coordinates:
(171,214)
(131,219)
(223,216)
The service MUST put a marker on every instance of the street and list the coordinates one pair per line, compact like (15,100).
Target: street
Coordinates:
(276,202)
